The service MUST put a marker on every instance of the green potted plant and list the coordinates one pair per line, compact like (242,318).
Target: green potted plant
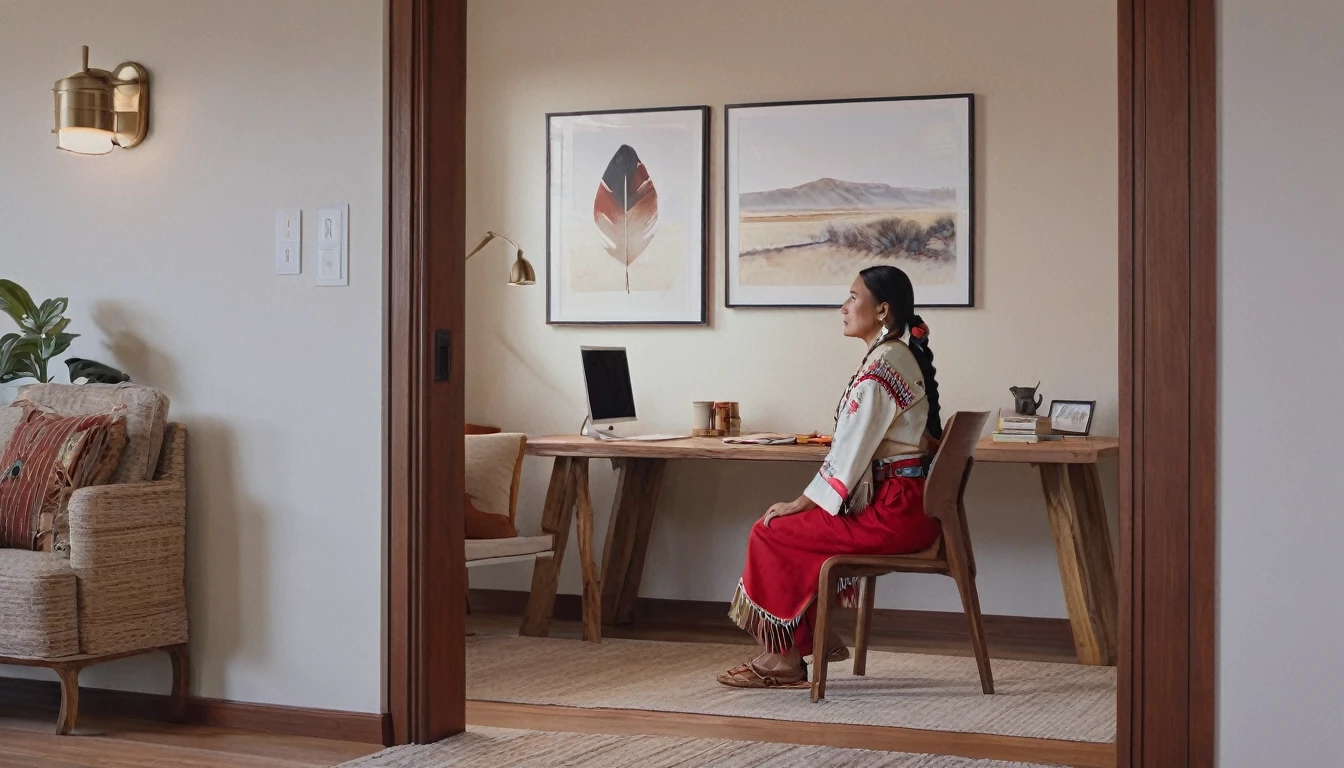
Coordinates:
(40,339)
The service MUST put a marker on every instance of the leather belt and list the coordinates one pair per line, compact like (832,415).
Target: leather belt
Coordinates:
(885,470)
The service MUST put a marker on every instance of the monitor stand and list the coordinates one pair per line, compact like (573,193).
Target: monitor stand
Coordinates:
(589,429)
(592,430)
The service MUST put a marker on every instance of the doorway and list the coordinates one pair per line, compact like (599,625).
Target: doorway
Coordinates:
(1166,71)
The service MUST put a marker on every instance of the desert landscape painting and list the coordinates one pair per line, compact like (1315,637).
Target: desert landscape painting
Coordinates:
(876,182)
(825,231)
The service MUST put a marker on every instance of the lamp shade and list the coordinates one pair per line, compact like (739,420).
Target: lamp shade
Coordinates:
(85,119)
(522,273)
(97,110)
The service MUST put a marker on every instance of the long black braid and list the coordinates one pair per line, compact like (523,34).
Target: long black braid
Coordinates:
(892,287)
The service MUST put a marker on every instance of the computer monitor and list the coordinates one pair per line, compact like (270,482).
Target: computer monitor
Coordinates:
(606,376)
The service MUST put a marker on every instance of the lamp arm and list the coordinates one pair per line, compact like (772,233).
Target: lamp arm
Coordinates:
(486,241)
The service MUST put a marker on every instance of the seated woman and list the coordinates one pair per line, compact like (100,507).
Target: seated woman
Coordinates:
(868,498)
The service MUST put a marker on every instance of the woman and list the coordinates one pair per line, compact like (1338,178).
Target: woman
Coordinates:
(868,497)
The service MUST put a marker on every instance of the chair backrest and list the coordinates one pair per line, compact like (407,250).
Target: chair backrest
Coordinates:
(951,469)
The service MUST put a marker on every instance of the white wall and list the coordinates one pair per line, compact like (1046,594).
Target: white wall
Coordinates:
(1044,72)
(1280,680)
(166,254)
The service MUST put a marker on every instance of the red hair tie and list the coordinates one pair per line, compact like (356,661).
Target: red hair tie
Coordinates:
(920,331)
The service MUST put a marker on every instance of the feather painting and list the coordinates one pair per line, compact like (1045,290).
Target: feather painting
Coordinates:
(626,208)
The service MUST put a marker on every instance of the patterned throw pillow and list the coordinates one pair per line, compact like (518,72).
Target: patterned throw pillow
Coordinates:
(47,459)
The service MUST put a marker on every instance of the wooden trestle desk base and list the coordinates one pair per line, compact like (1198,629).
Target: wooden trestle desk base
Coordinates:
(1069,478)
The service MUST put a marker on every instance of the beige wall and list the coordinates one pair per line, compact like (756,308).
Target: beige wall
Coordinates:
(1280,360)
(166,254)
(1044,75)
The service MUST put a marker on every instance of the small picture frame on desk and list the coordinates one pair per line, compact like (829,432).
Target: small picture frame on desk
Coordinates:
(1072,417)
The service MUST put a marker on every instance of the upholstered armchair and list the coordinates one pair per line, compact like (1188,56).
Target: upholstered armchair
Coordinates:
(120,588)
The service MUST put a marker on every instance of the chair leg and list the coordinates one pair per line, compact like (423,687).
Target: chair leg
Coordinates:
(863,623)
(181,681)
(825,599)
(65,722)
(970,601)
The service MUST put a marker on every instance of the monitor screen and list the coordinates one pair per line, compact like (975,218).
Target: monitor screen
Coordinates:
(606,374)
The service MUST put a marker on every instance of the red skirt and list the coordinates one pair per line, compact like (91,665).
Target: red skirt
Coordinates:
(776,597)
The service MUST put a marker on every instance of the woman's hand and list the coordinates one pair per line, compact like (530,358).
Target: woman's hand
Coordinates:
(785,508)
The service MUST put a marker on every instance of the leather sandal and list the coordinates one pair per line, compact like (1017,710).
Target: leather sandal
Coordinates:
(838,653)
(750,676)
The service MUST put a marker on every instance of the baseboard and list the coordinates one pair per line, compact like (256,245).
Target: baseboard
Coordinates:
(1045,633)
(43,696)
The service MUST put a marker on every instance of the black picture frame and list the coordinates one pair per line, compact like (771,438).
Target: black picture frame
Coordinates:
(727,203)
(705,117)
(1091,413)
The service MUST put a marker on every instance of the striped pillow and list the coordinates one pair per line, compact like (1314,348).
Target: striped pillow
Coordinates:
(47,458)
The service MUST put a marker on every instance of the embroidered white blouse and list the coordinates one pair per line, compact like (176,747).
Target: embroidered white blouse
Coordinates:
(882,414)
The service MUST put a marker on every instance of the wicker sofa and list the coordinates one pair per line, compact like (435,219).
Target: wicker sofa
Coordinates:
(120,589)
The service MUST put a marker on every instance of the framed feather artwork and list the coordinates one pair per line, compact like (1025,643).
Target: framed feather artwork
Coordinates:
(627,214)
(818,190)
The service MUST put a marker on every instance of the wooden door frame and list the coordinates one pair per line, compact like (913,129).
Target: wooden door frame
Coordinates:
(426,171)
(1168,381)
(1168,376)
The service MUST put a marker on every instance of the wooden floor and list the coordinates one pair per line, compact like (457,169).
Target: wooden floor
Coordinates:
(28,742)
(103,743)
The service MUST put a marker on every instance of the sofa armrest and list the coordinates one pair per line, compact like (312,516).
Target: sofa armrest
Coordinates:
(128,551)
(108,509)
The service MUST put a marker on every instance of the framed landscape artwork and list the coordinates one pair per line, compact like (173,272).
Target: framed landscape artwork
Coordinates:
(818,190)
(626,211)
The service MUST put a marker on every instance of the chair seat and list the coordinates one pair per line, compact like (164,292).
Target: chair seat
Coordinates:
(489,549)
(932,552)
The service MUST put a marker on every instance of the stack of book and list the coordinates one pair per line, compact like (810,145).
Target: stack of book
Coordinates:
(1017,428)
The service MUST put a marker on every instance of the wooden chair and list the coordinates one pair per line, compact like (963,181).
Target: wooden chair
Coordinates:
(949,556)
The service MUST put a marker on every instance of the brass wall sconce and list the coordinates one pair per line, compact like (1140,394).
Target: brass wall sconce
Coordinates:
(97,110)
(521,273)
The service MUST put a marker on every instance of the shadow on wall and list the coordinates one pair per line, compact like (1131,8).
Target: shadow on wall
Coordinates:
(126,329)
(228,560)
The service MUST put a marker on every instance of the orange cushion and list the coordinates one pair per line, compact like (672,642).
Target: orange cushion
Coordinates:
(482,525)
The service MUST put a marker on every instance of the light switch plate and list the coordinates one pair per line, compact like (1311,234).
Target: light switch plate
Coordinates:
(288,257)
(289,224)
(333,252)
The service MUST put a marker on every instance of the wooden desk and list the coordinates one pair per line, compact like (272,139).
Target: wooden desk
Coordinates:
(1077,513)
(1068,474)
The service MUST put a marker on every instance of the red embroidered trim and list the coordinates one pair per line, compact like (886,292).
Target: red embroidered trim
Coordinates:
(882,372)
(839,487)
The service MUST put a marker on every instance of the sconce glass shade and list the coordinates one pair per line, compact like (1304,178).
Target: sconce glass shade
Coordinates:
(97,110)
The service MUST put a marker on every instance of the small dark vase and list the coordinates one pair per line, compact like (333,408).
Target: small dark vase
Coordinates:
(1024,402)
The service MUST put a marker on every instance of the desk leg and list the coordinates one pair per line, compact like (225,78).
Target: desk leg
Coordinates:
(1083,543)
(556,518)
(648,480)
(592,583)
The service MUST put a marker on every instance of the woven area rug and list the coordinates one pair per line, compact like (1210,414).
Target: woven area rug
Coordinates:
(500,748)
(940,693)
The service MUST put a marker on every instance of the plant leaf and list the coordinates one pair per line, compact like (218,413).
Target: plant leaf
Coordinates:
(49,314)
(15,301)
(17,358)
(54,344)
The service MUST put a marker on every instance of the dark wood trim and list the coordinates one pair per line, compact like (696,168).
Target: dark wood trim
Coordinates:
(1082,754)
(426,229)
(1168,381)
(43,696)
(1048,635)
